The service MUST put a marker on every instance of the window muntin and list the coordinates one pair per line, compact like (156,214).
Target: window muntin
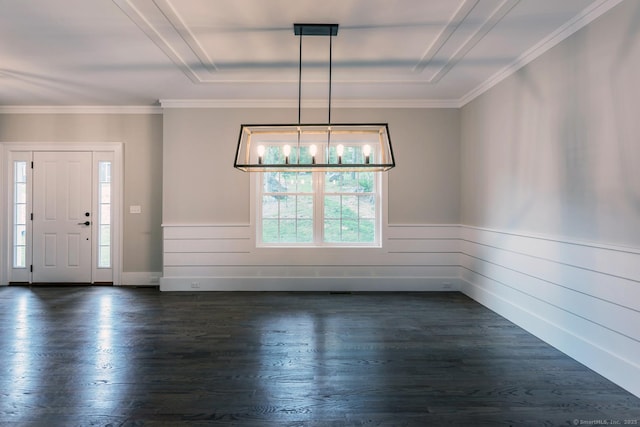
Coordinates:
(318,208)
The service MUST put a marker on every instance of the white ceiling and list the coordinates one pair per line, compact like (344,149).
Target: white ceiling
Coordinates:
(395,52)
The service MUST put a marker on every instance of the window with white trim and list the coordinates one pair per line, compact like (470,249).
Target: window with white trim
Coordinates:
(20,214)
(104,214)
(315,209)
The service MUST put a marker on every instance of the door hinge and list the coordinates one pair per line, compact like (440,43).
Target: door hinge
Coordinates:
(31,268)
(32,216)
(31,165)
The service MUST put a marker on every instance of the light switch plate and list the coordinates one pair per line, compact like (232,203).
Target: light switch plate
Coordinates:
(135,209)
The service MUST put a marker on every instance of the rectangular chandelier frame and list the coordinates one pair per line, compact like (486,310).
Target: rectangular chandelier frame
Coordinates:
(313,147)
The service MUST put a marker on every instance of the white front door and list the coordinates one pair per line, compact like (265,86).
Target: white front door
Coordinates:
(62,218)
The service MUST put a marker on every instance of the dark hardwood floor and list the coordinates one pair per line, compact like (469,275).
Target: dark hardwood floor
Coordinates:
(109,356)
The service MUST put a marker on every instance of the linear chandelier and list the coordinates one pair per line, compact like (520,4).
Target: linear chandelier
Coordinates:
(314,147)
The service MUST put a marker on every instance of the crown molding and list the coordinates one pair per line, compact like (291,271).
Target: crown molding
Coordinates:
(589,14)
(491,21)
(80,109)
(314,103)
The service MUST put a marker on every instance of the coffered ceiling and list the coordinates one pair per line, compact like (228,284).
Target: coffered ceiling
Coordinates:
(244,52)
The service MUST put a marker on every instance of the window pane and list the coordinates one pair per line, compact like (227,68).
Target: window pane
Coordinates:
(20,235)
(305,230)
(21,193)
(104,256)
(270,206)
(332,230)
(332,207)
(366,182)
(288,230)
(332,182)
(105,214)
(270,230)
(288,207)
(349,231)
(367,206)
(105,192)
(305,207)
(349,206)
(104,171)
(19,257)
(105,235)
(367,231)
(21,214)
(272,183)
(21,172)
(349,182)
(304,183)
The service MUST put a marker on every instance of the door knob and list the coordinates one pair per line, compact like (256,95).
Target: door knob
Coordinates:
(84,223)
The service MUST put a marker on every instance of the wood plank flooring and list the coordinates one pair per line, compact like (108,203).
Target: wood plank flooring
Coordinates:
(110,356)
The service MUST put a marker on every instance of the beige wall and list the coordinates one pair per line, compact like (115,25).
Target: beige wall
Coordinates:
(555,149)
(201,185)
(141,135)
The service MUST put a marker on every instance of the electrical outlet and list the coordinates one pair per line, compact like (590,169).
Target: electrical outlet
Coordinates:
(195,285)
(446,285)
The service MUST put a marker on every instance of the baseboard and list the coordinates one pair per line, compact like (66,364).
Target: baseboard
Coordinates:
(140,278)
(310,284)
(619,370)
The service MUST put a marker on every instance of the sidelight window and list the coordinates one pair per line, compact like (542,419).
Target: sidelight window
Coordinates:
(104,214)
(20,214)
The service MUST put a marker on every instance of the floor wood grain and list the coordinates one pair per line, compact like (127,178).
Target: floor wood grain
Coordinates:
(109,356)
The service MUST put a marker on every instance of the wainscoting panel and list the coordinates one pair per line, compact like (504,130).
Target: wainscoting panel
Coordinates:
(225,257)
(582,298)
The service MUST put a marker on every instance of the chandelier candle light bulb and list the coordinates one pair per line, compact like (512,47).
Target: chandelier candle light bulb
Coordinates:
(260,153)
(366,150)
(286,150)
(340,151)
(313,150)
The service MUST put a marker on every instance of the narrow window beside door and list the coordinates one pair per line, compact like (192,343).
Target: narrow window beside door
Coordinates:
(104,215)
(20,214)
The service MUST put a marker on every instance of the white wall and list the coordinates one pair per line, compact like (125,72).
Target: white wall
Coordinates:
(551,196)
(209,237)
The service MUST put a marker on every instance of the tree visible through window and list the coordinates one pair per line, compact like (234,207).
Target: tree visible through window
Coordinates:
(318,208)
(349,207)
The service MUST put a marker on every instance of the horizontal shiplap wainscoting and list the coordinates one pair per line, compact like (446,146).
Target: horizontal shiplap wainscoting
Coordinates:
(140,278)
(225,258)
(582,298)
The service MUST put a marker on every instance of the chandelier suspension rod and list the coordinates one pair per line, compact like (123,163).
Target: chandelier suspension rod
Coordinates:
(300,80)
(330,70)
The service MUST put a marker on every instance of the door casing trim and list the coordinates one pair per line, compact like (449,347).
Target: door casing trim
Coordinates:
(116,148)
